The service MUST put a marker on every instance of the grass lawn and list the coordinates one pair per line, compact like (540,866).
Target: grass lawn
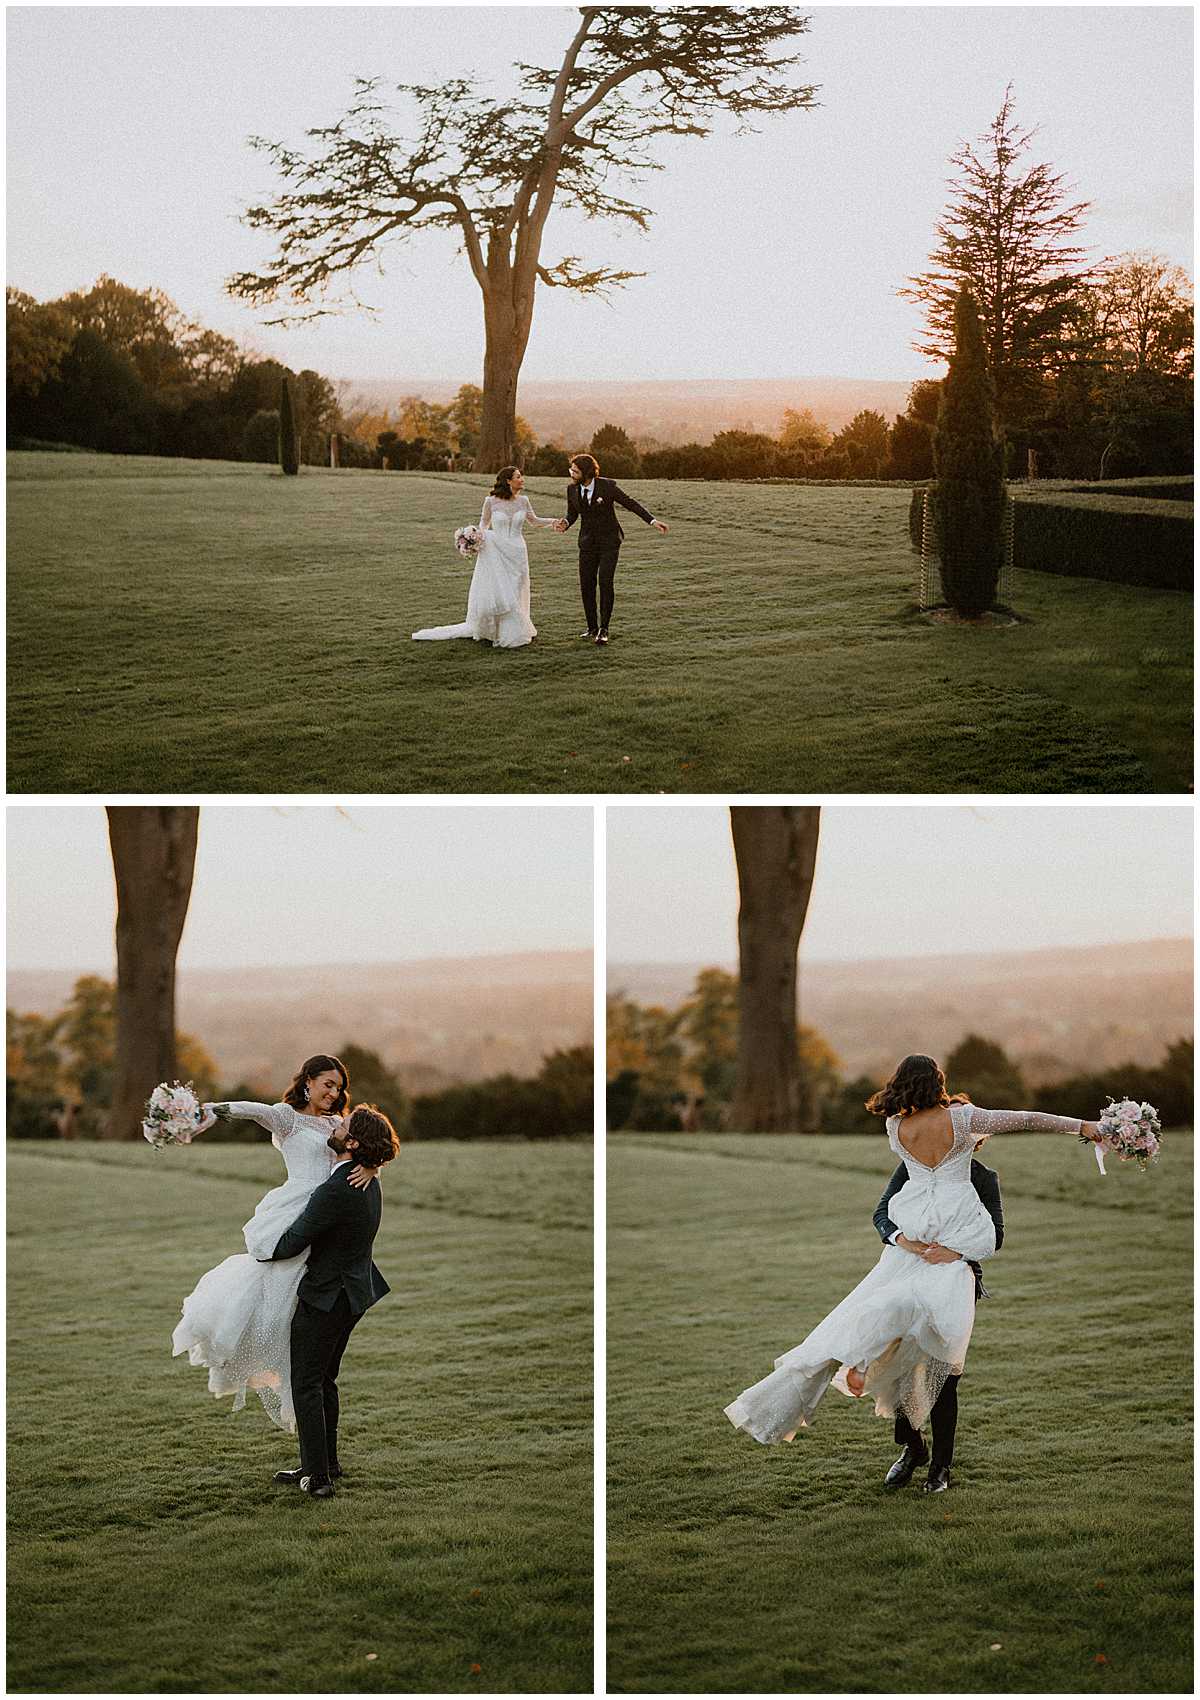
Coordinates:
(215,627)
(1066,1535)
(149,1550)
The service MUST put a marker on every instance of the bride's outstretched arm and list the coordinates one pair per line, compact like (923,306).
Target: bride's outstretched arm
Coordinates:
(550,524)
(984,1123)
(276,1118)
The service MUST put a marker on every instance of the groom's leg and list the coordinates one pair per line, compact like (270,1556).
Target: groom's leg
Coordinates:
(608,571)
(906,1434)
(310,1341)
(589,561)
(329,1392)
(943,1420)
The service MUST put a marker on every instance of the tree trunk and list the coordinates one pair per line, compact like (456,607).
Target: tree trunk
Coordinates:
(507,320)
(776,851)
(154,854)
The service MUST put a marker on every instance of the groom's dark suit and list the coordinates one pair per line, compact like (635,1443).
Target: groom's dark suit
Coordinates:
(600,539)
(943,1418)
(339,1222)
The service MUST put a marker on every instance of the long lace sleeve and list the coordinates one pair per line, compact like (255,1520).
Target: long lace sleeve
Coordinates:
(984,1123)
(278,1119)
(531,515)
(485,516)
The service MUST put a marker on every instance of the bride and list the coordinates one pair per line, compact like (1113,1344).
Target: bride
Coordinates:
(237,1322)
(904,1330)
(498,600)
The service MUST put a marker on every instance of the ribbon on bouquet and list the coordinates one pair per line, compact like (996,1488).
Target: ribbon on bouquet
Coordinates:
(1099,1147)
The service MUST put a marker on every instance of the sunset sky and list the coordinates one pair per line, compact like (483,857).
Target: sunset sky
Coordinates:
(773,255)
(910,881)
(305,884)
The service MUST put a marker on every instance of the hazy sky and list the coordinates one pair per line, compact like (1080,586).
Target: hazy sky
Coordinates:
(306,885)
(910,881)
(773,255)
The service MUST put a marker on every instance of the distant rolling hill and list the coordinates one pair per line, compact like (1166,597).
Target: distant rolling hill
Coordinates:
(433,1022)
(1056,1012)
(669,411)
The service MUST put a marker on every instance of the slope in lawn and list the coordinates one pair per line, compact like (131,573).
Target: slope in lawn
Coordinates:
(149,1550)
(1060,1559)
(197,626)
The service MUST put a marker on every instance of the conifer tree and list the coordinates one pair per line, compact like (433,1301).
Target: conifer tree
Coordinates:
(289,437)
(969,462)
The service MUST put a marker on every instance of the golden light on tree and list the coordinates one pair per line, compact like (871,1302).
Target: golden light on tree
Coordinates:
(154,857)
(776,852)
(492,170)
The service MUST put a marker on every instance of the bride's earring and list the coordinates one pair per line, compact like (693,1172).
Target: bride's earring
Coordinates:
(306,1094)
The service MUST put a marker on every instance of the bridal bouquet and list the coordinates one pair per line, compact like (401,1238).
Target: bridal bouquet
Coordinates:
(467,539)
(1131,1130)
(172,1115)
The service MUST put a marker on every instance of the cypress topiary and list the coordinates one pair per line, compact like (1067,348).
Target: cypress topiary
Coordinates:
(969,461)
(289,438)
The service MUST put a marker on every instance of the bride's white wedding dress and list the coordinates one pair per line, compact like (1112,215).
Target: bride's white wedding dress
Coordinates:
(237,1323)
(498,602)
(908,1324)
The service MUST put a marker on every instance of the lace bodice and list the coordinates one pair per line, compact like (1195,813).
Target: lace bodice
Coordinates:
(507,518)
(302,1140)
(972,1126)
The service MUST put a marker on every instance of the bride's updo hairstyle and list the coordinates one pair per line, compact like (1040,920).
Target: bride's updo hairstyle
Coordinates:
(917,1084)
(297,1093)
(503,485)
(376,1140)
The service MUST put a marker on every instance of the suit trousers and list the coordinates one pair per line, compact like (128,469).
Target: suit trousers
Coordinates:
(943,1420)
(318,1340)
(598,561)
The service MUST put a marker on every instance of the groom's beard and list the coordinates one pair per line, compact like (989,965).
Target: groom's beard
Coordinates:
(337,1144)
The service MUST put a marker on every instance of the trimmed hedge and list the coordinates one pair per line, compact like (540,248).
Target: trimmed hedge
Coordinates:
(1098,531)
(1155,489)
(1125,539)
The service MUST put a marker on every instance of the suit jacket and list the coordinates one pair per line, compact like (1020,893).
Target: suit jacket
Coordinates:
(986,1183)
(339,1222)
(598,520)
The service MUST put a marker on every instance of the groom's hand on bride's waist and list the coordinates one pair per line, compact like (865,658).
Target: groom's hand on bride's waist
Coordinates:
(936,1253)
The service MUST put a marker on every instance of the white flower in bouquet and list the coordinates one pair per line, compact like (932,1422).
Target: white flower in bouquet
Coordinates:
(468,539)
(1131,1130)
(172,1115)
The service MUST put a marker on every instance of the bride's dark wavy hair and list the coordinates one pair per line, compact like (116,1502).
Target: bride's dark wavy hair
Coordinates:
(297,1093)
(503,485)
(917,1083)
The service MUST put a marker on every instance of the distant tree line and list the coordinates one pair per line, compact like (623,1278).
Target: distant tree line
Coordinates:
(123,371)
(673,1071)
(60,1072)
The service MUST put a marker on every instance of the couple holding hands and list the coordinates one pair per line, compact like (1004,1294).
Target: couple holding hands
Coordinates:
(498,603)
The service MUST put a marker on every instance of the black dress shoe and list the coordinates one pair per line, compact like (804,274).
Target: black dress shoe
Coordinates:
(938,1479)
(320,1487)
(901,1472)
(288,1478)
(602,637)
(589,635)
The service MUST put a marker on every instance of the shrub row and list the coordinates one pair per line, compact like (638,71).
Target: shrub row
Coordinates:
(1103,532)
(1124,539)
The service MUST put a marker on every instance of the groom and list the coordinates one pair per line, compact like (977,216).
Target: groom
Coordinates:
(943,1418)
(340,1283)
(594,501)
